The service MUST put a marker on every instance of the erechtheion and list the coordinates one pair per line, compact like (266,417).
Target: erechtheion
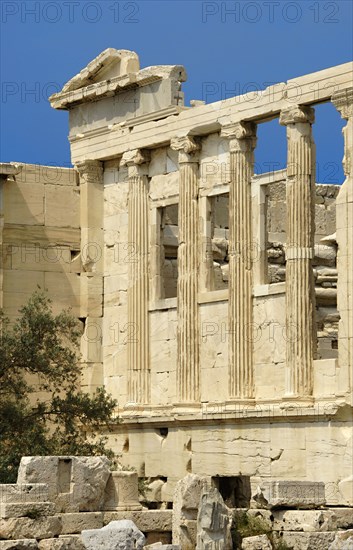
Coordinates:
(217,304)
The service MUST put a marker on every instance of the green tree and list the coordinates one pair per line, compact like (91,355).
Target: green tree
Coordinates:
(39,353)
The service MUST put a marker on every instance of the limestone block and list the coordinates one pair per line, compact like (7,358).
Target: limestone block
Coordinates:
(26,528)
(304,520)
(172,160)
(74,541)
(185,508)
(24,203)
(23,509)
(154,493)
(291,494)
(89,478)
(325,254)
(60,544)
(75,483)
(117,535)
(343,517)
(164,186)
(23,492)
(121,492)
(21,544)
(158,162)
(160,546)
(77,522)
(258,542)
(342,541)
(213,522)
(307,541)
(146,520)
(56,201)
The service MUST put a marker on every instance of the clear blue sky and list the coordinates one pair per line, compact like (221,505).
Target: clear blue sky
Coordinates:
(224,46)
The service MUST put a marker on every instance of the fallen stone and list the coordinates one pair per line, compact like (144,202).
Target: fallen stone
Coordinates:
(75,484)
(26,528)
(304,520)
(213,522)
(21,544)
(325,254)
(307,541)
(160,546)
(342,541)
(147,521)
(258,542)
(117,535)
(75,541)
(344,517)
(186,500)
(290,494)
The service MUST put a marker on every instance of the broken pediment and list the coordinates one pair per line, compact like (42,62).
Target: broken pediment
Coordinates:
(111,72)
(108,64)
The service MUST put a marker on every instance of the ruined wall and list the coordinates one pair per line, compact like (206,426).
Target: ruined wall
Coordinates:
(41,237)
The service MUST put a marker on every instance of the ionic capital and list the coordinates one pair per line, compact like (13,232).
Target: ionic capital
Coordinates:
(241,135)
(136,161)
(343,101)
(90,171)
(297,113)
(188,148)
(239,130)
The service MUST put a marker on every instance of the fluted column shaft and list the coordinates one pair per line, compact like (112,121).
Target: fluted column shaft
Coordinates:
(188,367)
(300,296)
(242,140)
(138,284)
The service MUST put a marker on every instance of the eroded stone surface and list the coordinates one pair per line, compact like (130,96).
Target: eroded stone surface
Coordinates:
(117,535)
(258,542)
(213,522)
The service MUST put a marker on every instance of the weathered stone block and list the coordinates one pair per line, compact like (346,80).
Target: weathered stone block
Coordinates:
(23,492)
(342,541)
(26,528)
(117,535)
(185,508)
(17,510)
(213,522)
(21,544)
(77,522)
(147,520)
(307,541)
(258,542)
(304,520)
(75,483)
(291,494)
(74,541)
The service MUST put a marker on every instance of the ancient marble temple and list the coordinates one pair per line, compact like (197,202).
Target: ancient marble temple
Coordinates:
(217,304)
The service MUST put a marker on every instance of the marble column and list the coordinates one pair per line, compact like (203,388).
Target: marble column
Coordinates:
(91,278)
(343,101)
(188,366)
(242,140)
(137,295)
(300,295)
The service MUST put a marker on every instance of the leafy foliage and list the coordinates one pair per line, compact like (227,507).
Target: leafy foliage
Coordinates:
(42,409)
